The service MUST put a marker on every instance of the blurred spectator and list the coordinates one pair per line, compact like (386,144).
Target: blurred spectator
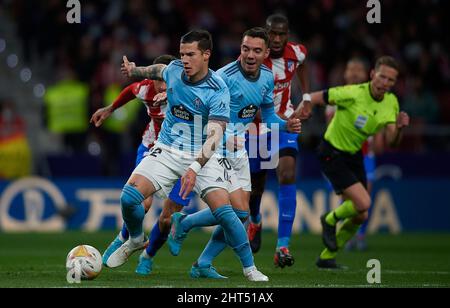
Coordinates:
(423,108)
(15,153)
(67,110)
(333,31)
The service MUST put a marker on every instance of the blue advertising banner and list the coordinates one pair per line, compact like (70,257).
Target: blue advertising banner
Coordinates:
(44,205)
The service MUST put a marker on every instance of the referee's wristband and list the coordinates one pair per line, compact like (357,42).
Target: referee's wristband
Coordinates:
(196,167)
(307,97)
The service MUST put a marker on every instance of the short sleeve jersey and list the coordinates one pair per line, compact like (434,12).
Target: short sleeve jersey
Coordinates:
(190,106)
(358,116)
(247,94)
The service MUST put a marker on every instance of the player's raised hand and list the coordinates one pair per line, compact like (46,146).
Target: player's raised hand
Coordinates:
(127,67)
(294,125)
(402,119)
(160,99)
(100,116)
(187,183)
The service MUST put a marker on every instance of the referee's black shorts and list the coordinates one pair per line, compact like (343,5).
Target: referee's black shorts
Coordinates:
(341,168)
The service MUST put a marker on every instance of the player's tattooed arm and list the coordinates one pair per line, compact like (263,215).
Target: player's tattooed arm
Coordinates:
(215,131)
(153,72)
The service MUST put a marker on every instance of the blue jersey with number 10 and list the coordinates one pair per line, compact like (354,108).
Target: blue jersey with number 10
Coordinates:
(248,95)
(191,106)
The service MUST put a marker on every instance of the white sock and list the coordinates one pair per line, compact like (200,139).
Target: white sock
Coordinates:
(250,269)
(137,240)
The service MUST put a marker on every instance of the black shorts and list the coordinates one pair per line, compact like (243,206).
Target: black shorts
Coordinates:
(341,168)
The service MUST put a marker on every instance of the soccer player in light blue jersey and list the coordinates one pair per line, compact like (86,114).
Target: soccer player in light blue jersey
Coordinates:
(152,93)
(251,87)
(198,110)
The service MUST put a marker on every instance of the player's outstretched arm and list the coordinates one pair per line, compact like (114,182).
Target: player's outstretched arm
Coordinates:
(292,125)
(304,109)
(394,130)
(153,72)
(303,75)
(215,131)
(103,113)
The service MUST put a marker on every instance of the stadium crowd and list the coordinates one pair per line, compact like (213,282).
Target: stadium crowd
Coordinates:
(333,31)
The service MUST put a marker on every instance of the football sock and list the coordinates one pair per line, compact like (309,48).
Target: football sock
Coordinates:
(345,210)
(344,234)
(363,229)
(124,233)
(201,218)
(217,243)
(286,216)
(132,210)
(235,234)
(156,241)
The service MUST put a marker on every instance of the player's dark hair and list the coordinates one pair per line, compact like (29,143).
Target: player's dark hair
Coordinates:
(360,60)
(164,59)
(277,19)
(203,38)
(388,61)
(259,33)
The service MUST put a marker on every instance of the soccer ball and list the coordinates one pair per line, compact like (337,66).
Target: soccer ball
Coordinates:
(85,262)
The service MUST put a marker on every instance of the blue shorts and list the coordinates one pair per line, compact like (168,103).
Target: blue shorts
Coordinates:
(370,166)
(141,153)
(287,146)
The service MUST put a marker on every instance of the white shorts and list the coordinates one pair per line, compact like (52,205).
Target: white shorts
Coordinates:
(241,168)
(164,166)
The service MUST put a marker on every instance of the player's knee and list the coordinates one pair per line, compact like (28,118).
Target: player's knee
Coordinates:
(286,177)
(164,221)
(257,191)
(258,183)
(361,218)
(147,204)
(365,205)
(130,198)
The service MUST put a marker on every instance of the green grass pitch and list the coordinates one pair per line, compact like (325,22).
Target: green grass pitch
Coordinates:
(408,260)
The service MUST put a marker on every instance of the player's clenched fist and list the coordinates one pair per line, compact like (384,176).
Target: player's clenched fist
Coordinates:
(402,119)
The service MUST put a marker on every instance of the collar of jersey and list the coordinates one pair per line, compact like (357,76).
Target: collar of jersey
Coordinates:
(247,76)
(369,88)
(187,82)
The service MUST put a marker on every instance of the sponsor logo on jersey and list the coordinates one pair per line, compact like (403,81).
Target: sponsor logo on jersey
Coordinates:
(281,86)
(182,113)
(248,112)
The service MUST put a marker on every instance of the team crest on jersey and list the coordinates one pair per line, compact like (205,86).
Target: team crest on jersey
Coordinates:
(198,103)
(170,90)
(263,91)
(291,65)
(248,112)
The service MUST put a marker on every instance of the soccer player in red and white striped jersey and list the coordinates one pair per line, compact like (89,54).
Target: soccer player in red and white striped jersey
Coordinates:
(286,60)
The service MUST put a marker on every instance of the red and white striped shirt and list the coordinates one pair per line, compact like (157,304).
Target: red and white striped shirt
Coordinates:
(145,91)
(284,69)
